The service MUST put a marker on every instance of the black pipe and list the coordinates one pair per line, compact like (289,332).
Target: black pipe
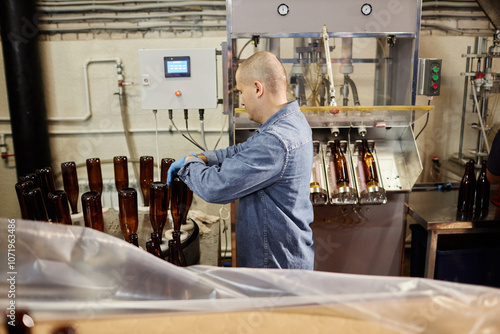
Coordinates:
(18,24)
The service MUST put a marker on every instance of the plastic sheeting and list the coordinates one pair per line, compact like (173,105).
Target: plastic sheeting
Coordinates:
(69,272)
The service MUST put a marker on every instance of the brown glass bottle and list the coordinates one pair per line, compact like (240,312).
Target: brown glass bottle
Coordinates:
(172,248)
(482,190)
(180,202)
(472,177)
(149,247)
(121,172)
(35,204)
(129,219)
(340,163)
(70,181)
(155,238)
(59,204)
(165,165)
(134,239)
(92,210)
(94,174)
(146,176)
(158,201)
(369,165)
(30,177)
(466,190)
(20,188)
(46,182)
(180,259)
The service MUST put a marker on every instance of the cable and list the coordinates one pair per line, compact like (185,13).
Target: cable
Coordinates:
(354,89)
(221,132)
(426,120)
(202,127)
(177,129)
(187,128)
(243,48)
(158,164)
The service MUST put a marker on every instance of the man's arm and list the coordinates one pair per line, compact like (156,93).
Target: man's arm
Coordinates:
(200,156)
(257,167)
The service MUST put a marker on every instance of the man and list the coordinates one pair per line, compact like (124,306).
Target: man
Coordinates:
(269,173)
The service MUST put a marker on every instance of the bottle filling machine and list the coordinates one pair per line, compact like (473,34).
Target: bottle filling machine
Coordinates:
(353,67)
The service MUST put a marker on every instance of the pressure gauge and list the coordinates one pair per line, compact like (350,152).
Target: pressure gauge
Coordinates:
(283,9)
(366,9)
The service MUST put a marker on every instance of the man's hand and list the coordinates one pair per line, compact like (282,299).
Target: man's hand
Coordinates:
(175,167)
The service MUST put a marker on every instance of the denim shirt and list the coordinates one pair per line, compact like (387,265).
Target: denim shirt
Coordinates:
(269,174)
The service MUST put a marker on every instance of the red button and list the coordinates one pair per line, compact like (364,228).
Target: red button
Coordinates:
(435,86)
(178,93)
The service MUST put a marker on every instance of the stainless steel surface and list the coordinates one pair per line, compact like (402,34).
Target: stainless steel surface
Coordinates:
(397,155)
(361,239)
(340,16)
(416,47)
(322,119)
(318,34)
(383,86)
(437,212)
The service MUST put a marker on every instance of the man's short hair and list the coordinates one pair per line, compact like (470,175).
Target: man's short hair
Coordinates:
(265,67)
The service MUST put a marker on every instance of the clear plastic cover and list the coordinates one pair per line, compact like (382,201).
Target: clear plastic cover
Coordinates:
(68,272)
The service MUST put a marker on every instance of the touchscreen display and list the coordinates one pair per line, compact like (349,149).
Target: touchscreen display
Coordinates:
(177,66)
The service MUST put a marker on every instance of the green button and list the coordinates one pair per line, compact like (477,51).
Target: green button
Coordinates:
(435,77)
(435,69)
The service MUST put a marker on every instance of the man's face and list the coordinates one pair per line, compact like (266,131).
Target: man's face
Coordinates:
(247,96)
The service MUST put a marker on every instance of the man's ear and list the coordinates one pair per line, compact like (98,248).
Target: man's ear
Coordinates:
(259,88)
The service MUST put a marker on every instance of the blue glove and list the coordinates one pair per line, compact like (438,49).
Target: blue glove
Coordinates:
(175,168)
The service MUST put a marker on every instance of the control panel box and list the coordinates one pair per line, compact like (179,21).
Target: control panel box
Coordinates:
(429,76)
(178,79)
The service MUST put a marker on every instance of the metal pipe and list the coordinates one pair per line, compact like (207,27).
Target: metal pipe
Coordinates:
(108,2)
(144,28)
(24,85)
(94,8)
(464,106)
(123,17)
(450,4)
(476,32)
(354,89)
(274,47)
(484,110)
(112,132)
(88,108)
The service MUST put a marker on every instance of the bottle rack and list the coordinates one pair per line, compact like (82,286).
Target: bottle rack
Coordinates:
(324,190)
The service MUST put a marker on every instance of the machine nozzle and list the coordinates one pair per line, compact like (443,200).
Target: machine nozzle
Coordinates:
(362,131)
